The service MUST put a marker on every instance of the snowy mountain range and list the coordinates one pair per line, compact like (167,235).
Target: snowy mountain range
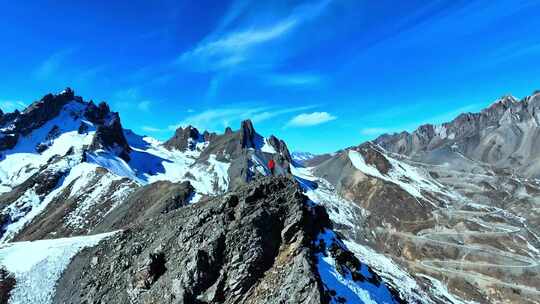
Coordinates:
(91,212)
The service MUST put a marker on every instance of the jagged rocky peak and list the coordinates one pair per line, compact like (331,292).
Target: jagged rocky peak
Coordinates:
(280,146)
(110,136)
(97,114)
(185,139)
(248,134)
(33,117)
(251,139)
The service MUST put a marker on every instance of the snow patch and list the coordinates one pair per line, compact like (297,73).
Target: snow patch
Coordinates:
(267,147)
(440,131)
(38,265)
(343,284)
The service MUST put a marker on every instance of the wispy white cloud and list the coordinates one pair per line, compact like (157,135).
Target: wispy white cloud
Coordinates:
(233,48)
(11,105)
(219,118)
(265,115)
(226,49)
(310,119)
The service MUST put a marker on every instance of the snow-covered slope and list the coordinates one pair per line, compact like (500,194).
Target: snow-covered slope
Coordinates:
(37,265)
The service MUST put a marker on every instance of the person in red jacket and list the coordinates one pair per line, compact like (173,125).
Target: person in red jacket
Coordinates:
(271,166)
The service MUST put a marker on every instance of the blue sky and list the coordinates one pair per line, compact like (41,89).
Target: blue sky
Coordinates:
(322,75)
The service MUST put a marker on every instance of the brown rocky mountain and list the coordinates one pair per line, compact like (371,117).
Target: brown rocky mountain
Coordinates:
(455,203)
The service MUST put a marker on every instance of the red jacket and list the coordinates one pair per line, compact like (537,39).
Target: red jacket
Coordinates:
(271,164)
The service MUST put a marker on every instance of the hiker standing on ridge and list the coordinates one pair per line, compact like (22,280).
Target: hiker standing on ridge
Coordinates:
(271,166)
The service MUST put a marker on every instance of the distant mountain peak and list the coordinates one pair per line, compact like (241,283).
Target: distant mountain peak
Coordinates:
(184,139)
(502,134)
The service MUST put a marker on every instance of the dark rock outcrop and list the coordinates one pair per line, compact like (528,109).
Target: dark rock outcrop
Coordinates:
(7,283)
(97,114)
(247,134)
(185,139)
(8,141)
(110,136)
(281,148)
(255,245)
(39,112)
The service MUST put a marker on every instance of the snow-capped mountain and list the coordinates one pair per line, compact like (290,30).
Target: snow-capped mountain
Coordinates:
(66,163)
(300,157)
(435,216)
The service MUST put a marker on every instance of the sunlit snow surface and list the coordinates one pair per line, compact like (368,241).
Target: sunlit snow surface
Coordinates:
(38,265)
(19,163)
(154,162)
(343,284)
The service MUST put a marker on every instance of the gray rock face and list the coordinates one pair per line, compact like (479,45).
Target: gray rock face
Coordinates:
(184,139)
(258,244)
(254,245)
(110,135)
(505,135)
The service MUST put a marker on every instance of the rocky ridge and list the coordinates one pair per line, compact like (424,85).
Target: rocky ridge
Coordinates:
(504,136)
(256,244)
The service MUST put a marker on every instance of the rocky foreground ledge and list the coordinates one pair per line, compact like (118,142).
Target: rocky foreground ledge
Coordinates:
(255,245)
